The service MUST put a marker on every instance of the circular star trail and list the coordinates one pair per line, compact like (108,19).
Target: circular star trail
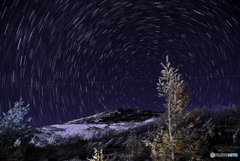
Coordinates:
(69,59)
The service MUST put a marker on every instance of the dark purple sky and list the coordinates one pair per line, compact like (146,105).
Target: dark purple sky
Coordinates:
(69,59)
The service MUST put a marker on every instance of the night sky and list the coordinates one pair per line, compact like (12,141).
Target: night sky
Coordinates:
(69,59)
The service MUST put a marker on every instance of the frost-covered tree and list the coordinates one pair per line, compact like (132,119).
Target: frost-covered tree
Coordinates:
(175,142)
(10,125)
(14,118)
(12,121)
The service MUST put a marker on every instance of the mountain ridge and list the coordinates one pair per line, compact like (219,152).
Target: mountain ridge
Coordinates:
(116,116)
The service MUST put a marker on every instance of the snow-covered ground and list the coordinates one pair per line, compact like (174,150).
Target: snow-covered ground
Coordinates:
(61,132)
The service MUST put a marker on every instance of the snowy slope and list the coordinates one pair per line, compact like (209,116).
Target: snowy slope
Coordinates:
(96,125)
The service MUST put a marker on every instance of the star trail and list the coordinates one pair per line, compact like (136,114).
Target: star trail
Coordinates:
(69,59)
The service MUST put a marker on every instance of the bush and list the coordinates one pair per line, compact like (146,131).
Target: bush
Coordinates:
(98,156)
